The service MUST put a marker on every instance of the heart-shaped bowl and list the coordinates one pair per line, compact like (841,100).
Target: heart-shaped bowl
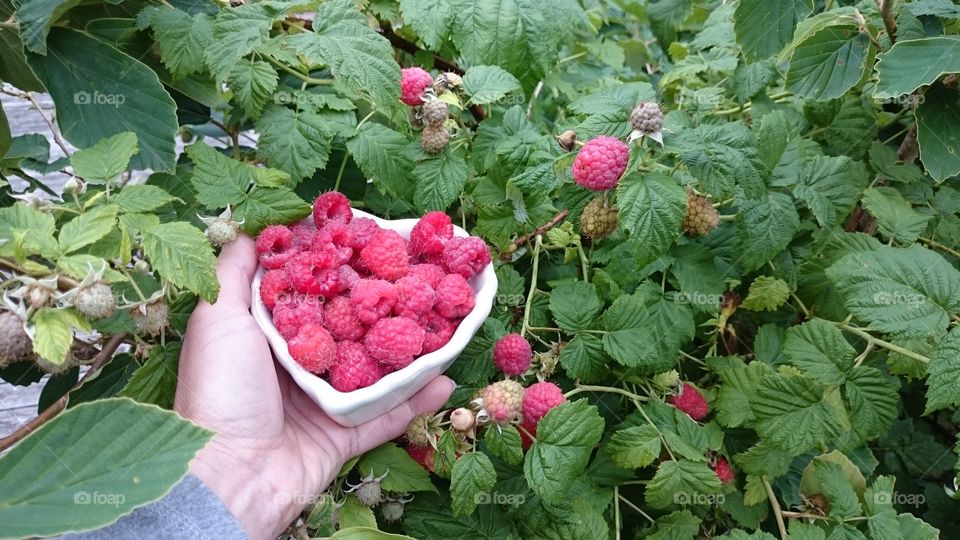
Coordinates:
(364,404)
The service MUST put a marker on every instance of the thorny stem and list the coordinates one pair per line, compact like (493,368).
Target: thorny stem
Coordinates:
(881,343)
(533,284)
(929,242)
(776,507)
(886,12)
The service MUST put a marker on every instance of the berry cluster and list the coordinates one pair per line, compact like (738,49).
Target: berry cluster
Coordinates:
(356,301)
(418,89)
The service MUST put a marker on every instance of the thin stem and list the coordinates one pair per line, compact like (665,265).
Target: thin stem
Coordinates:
(608,389)
(49,121)
(133,284)
(886,12)
(533,284)
(881,343)
(343,166)
(776,508)
(929,242)
(584,262)
(666,446)
(616,510)
(636,509)
(803,307)
(365,118)
(305,78)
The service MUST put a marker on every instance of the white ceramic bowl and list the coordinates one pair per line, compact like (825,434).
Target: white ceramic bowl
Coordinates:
(362,405)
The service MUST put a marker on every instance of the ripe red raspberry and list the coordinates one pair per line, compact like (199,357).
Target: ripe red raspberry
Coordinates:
(414,297)
(290,316)
(337,233)
(422,455)
(331,206)
(386,255)
(512,354)
(502,401)
(413,81)
(348,277)
(312,273)
(600,163)
(274,285)
(327,254)
(313,348)
(430,234)
(303,235)
(96,300)
(275,246)
(354,368)
(723,470)
(438,330)
(362,231)
(373,299)
(395,341)
(466,255)
(527,427)
(430,273)
(341,320)
(691,401)
(454,297)
(538,399)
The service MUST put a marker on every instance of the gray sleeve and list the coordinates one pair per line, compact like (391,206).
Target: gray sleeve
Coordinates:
(189,511)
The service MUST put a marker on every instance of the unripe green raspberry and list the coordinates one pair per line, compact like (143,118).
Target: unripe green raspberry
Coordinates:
(646,117)
(434,139)
(701,217)
(151,318)
(598,218)
(221,232)
(392,511)
(96,300)
(434,112)
(666,380)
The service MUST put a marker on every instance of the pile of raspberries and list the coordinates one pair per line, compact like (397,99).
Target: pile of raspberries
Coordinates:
(356,301)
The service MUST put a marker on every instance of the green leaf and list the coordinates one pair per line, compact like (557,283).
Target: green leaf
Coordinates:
(440,181)
(899,73)
(764,229)
(265,206)
(54,333)
(636,446)
(830,187)
(215,177)
(353,513)
(843,500)
(297,142)
(819,349)
(32,229)
(366,533)
(542,178)
(896,220)
(872,401)
(236,33)
(740,383)
(608,111)
(796,413)
(141,451)
(565,439)
(181,37)
(140,198)
(429,18)
(583,358)
(253,83)
(504,442)
(470,481)
(36,18)
(378,150)
(766,294)
(943,380)
(723,157)
(763,27)
(908,292)
(78,266)
(183,256)
(156,380)
(100,91)
(647,336)
(651,211)
(682,482)
(103,162)
(5,138)
(88,228)
(574,305)
(404,474)
(680,525)
(938,132)
(488,84)
(828,63)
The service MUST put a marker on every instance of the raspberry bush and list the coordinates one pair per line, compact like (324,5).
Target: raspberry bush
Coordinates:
(725,235)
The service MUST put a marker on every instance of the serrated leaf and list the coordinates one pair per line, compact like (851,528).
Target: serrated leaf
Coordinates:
(440,180)
(819,349)
(78,266)
(87,228)
(378,150)
(828,63)
(488,84)
(103,162)
(943,380)
(636,446)
(181,37)
(795,413)
(183,256)
(142,452)
(765,228)
(766,294)
(470,481)
(682,482)
(504,442)
(740,382)
(252,83)
(652,208)
(896,220)
(723,157)
(608,111)
(763,27)
(872,401)
(403,473)
(140,198)
(542,178)
(837,489)
(575,305)
(353,513)
(830,187)
(156,380)
(35,19)
(297,142)
(266,206)
(905,291)
(938,132)
(236,33)
(54,333)
(582,358)
(899,73)
(429,18)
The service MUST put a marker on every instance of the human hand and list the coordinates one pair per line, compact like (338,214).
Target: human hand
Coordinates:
(274,449)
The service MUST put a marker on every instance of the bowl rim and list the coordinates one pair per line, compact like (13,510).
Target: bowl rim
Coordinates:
(335,402)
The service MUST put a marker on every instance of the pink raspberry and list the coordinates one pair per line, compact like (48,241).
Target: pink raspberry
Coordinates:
(503,401)
(341,320)
(328,254)
(413,81)
(395,341)
(290,316)
(348,277)
(454,296)
(312,273)
(303,234)
(354,368)
(422,455)
(373,299)
(386,255)
(600,163)
(430,234)
(466,255)
(430,273)
(438,330)
(362,231)
(414,297)
(538,399)
(275,246)
(512,354)
(331,206)
(691,401)
(337,233)
(313,348)
(273,286)
(723,470)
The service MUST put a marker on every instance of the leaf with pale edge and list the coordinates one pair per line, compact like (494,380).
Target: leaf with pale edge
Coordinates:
(766,294)
(54,333)
(103,162)
(183,256)
(898,71)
